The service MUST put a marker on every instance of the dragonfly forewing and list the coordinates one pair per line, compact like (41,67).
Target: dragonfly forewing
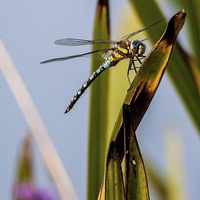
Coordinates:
(79,42)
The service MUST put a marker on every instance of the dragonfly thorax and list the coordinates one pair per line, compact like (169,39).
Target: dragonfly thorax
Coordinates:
(137,47)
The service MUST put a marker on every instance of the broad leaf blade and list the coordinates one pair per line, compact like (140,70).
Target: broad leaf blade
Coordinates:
(98,138)
(147,80)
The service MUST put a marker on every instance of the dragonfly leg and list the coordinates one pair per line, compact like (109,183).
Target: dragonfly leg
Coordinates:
(131,63)
(140,58)
(129,68)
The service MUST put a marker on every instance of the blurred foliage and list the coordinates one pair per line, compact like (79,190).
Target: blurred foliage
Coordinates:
(24,187)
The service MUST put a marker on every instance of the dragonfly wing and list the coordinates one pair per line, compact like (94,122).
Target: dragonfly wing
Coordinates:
(126,37)
(74,56)
(78,42)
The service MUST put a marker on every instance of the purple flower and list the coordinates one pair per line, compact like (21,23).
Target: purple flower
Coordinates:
(24,191)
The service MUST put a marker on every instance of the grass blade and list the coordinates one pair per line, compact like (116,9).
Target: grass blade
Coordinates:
(114,185)
(136,185)
(98,138)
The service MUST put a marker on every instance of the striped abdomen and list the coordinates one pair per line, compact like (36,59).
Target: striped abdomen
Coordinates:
(87,83)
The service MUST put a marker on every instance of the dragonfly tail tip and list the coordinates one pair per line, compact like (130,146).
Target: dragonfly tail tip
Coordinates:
(66,111)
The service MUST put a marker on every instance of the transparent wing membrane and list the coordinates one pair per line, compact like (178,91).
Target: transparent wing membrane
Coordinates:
(126,37)
(74,56)
(79,42)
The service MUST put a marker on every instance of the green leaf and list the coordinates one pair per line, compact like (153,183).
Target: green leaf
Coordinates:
(98,138)
(114,185)
(179,71)
(136,185)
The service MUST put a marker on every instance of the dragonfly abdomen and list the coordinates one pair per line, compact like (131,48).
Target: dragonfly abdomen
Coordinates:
(87,83)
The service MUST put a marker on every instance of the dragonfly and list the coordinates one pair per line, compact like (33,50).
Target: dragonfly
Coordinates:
(120,50)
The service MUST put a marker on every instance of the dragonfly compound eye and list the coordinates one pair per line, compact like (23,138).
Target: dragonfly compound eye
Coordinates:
(141,49)
(137,47)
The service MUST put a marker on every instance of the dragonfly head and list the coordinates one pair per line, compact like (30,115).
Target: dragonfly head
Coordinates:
(137,48)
